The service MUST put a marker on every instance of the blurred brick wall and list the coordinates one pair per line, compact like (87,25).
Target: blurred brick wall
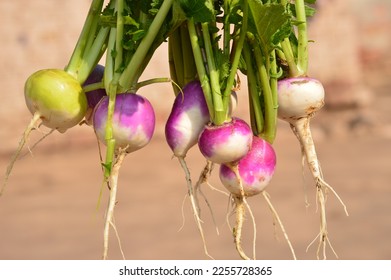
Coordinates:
(349,35)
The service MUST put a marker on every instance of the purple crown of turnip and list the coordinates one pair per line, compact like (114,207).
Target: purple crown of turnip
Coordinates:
(133,121)
(256,169)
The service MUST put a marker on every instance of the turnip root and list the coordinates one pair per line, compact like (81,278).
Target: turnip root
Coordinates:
(299,99)
(133,125)
(187,119)
(249,177)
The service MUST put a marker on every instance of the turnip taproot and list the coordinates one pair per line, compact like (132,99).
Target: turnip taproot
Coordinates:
(299,99)
(133,125)
(249,177)
(188,117)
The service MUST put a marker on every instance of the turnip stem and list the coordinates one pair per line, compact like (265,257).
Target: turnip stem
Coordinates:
(302,51)
(219,112)
(113,179)
(78,52)
(257,121)
(128,75)
(30,127)
(236,57)
(269,131)
(201,70)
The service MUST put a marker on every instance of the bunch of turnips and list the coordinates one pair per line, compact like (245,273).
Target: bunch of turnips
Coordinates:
(210,44)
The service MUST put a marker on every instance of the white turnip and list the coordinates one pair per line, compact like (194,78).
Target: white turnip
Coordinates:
(299,99)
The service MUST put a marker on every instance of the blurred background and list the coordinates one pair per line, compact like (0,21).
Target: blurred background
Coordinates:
(50,207)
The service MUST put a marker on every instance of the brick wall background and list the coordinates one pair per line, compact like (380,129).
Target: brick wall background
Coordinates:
(352,39)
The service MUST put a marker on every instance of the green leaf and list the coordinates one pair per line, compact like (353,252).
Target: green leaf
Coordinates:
(271,23)
(199,10)
(222,63)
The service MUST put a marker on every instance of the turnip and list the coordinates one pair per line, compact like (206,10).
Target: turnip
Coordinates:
(250,177)
(187,119)
(133,121)
(299,99)
(54,96)
(256,169)
(226,143)
(56,100)
(133,125)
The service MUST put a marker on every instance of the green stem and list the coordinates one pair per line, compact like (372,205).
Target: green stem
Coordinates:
(119,36)
(274,92)
(113,88)
(94,53)
(76,57)
(190,70)
(155,81)
(127,78)
(176,59)
(94,86)
(226,34)
(109,65)
(201,71)
(109,137)
(256,114)
(302,55)
(236,58)
(220,113)
(269,131)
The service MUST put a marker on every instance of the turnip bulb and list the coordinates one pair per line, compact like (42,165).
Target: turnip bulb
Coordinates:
(187,119)
(226,143)
(56,97)
(256,169)
(133,121)
(299,97)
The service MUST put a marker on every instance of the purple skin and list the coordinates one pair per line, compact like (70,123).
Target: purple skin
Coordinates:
(256,169)
(187,119)
(96,76)
(226,143)
(133,121)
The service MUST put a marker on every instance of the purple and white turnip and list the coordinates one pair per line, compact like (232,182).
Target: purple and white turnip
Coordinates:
(133,124)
